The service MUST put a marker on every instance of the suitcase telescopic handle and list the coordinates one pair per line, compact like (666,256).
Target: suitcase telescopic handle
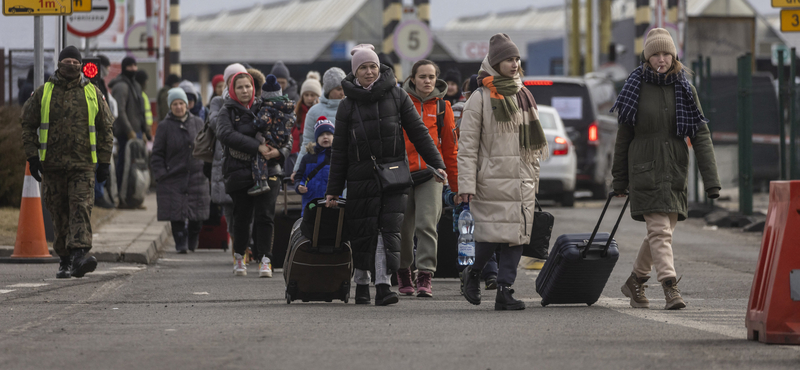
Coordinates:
(611,195)
(342,202)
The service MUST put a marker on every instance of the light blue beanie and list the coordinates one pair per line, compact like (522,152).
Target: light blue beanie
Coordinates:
(176,93)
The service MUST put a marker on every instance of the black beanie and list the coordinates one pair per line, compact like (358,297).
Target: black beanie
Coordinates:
(141,77)
(386,60)
(172,79)
(271,84)
(473,83)
(453,75)
(70,52)
(128,61)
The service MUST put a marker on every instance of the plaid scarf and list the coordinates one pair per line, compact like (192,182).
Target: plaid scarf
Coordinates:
(686,111)
(508,96)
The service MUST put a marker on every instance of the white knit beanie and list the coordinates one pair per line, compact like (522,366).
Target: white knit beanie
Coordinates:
(232,70)
(311,84)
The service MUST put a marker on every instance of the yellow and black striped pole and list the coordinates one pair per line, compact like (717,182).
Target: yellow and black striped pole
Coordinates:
(392,14)
(423,11)
(642,23)
(175,37)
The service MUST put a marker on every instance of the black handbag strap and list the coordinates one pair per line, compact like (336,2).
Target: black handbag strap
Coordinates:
(366,137)
(319,167)
(611,195)
(538,205)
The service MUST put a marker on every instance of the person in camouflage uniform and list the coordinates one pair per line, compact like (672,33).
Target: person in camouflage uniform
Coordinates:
(65,162)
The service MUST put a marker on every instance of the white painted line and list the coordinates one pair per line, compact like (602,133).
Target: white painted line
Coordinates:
(200,293)
(177,260)
(4,291)
(622,305)
(115,308)
(169,330)
(128,268)
(27,285)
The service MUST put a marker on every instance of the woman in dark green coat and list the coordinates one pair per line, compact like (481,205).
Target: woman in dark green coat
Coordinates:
(658,109)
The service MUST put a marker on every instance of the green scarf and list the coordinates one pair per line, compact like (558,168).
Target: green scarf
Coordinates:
(504,94)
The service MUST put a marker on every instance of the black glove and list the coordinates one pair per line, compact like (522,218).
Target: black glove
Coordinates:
(207,170)
(102,172)
(36,168)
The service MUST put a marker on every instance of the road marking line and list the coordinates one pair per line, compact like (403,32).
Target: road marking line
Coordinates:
(200,293)
(129,268)
(27,285)
(104,272)
(622,305)
(4,291)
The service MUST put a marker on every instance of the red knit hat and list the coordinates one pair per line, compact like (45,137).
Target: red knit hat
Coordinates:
(216,80)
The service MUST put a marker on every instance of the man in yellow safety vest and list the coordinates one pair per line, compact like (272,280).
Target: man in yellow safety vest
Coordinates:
(74,139)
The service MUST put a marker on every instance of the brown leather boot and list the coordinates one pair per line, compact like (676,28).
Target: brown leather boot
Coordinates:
(634,289)
(672,294)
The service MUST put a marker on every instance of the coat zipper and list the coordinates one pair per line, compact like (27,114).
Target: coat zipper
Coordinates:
(524,218)
(355,139)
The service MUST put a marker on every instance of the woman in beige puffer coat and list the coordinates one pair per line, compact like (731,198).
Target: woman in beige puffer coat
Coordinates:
(500,146)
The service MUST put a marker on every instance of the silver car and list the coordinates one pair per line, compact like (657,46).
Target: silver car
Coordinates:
(557,175)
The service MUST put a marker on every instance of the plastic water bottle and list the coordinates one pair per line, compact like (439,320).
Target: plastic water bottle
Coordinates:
(466,243)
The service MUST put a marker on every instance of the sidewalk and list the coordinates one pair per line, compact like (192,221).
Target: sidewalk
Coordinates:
(134,236)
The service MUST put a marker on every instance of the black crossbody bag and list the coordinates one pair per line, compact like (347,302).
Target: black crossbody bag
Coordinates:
(392,175)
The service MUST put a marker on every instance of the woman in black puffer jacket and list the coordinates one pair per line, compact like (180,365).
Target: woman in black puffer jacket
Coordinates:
(373,217)
(236,131)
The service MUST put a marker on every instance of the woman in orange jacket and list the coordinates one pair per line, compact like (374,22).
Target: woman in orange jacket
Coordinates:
(424,207)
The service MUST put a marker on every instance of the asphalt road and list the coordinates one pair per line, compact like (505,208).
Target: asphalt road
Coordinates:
(190,312)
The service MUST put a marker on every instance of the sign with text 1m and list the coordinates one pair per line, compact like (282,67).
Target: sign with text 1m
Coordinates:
(785,3)
(37,7)
(790,20)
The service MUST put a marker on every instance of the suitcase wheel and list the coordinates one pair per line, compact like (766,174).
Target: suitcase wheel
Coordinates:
(544,304)
(346,297)
(590,304)
(288,298)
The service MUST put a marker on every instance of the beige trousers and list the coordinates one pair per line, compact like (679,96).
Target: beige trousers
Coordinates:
(423,210)
(656,249)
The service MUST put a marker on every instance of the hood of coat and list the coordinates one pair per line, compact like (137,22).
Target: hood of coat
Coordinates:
(232,104)
(439,90)
(120,79)
(233,97)
(380,87)
(329,103)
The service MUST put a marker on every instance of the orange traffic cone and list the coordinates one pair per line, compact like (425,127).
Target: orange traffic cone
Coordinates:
(31,244)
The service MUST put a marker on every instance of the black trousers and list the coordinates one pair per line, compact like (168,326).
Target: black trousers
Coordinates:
(509,259)
(186,234)
(260,210)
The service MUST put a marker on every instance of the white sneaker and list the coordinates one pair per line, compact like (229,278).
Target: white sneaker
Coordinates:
(239,268)
(265,268)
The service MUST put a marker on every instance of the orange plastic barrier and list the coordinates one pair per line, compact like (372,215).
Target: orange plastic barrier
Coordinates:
(773,314)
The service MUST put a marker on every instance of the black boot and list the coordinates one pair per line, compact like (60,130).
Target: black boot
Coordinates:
(384,296)
(471,279)
(362,294)
(64,267)
(80,263)
(505,300)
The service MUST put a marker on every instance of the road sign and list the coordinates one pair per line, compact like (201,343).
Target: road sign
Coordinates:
(413,40)
(136,37)
(37,7)
(81,6)
(92,23)
(786,54)
(785,3)
(790,20)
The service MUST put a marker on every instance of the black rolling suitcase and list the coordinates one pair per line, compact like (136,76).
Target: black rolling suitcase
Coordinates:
(579,265)
(319,262)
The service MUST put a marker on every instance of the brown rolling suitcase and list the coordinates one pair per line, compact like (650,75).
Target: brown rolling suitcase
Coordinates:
(319,266)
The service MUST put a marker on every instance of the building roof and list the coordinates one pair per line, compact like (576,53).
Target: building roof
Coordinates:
(294,31)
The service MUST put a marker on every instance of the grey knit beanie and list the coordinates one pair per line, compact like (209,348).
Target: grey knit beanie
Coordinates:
(332,79)
(279,70)
(501,48)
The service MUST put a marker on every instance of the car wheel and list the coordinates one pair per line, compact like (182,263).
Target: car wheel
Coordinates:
(568,199)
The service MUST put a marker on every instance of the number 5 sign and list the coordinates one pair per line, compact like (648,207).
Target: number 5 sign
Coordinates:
(790,20)
(413,40)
